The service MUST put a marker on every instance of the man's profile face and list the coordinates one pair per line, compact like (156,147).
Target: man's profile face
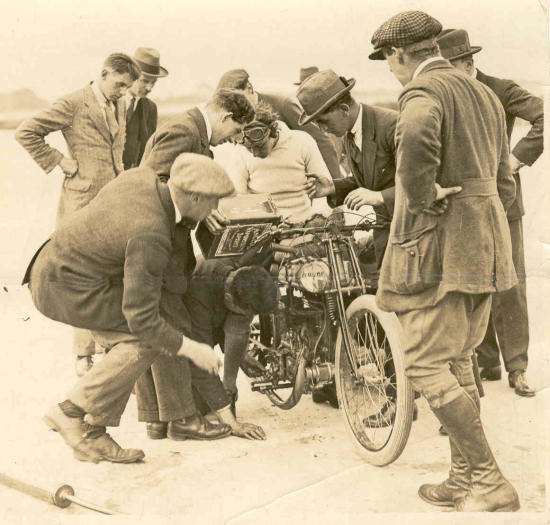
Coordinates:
(464,64)
(333,122)
(143,85)
(224,129)
(397,66)
(200,207)
(114,85)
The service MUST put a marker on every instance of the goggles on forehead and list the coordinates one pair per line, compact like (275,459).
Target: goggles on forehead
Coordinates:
(256,133)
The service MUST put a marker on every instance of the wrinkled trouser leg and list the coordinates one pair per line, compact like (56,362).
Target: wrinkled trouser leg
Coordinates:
(164,391)
(104,391)
(509,325)
(83,342)
(440,336)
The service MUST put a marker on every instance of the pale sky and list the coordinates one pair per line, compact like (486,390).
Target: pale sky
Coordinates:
(56,46)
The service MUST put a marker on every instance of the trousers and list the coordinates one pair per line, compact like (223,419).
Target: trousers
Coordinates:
(83,342)
(438,344)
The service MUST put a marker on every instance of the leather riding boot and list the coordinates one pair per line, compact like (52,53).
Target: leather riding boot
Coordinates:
(490,491)
(457,484)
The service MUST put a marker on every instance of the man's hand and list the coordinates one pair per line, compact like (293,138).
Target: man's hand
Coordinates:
(361,197)
(515,163)
(441,203)
(248,431)
(202,355)
(216,221)
(68,166)
(317,186)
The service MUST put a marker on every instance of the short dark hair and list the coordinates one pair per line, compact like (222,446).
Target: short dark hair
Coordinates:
(265,113)
(123,64)
(254,289)
(235,102)
(346,98)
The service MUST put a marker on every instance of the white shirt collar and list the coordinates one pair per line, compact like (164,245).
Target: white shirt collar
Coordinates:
(422,65)
(129,97)
(101,100)
(202,109)
(178,214)
(357,129)
(474,72)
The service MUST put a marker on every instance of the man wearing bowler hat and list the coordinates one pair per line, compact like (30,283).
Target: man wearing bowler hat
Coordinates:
(105,273)
(449,246)
(508,328)
(141,112)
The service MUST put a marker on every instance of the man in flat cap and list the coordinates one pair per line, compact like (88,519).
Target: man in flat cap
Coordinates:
(92,120)
(453,185)
(105,273)
(508,328)
(289,112)
(141,112)
(195,130)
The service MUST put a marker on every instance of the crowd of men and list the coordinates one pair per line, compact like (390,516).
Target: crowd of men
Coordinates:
(120,266)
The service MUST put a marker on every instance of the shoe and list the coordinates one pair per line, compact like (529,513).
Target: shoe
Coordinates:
(196,427)
(83,364)
(71,429)
(326,394)
(458,483)
(490,373)
(251,367)
(489,491)
(518,382)
(157,429)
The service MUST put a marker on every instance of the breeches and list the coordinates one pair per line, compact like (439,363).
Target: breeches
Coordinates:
(439,341)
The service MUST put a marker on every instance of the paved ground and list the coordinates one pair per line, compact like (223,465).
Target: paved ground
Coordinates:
(306,472)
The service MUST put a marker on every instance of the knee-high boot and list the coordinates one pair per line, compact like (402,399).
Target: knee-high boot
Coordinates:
(490,490)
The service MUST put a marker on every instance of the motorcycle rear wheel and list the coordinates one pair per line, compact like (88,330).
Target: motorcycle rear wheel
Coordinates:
(378,403)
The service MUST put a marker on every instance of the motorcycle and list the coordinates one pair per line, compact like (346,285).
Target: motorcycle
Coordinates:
(328,328)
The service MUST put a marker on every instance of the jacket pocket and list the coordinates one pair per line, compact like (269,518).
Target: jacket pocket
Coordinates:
(415,264)
(77,184)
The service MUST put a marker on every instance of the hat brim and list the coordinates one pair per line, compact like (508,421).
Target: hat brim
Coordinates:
(472,51)
(161,72)
(377,55)
(306,119)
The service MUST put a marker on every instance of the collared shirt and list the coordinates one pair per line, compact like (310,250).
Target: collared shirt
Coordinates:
(202,109)
(357,129)
(102,100)
(178,214)
(474,72)
(422,65)
(129,97)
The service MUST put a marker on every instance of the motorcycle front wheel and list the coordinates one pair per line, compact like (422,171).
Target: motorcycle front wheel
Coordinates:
(377,401)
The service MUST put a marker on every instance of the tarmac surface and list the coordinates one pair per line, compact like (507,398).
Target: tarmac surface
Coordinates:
(307,471)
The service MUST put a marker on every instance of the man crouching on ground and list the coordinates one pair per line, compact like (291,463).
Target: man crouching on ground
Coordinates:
(104,271)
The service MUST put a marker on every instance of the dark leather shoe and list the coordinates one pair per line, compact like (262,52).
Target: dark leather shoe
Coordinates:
(157,429)
(326,394)
(106,448)
(196,427)
(491,373)
(518,382)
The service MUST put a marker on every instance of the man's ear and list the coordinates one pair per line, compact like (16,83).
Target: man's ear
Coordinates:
(227,115)
(344,108)
(399,54)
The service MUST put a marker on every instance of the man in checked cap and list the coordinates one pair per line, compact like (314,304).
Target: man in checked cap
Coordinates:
(449,245)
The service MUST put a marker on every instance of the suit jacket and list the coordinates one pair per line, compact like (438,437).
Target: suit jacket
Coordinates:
(183,133)
(289,112)
(377,169)
(100,271)
(451,130)
(81,120)
(518,102)
(141,125)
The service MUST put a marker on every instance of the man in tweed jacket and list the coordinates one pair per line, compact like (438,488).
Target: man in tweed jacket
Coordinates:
(93,124)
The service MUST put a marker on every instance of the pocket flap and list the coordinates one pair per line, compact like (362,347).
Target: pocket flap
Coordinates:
(77,184)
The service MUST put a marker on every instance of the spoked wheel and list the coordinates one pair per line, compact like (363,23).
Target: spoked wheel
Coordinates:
(377,401)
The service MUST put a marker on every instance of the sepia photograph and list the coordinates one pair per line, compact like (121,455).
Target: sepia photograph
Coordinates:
(275,262)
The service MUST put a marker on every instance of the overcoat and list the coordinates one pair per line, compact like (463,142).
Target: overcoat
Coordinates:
(519,103)
(183,133)
(105,269)
(80,118)
(376,171)
(451,130)
(139,127)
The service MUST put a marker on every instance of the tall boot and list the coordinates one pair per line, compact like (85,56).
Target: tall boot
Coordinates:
(457,484)
(490,491)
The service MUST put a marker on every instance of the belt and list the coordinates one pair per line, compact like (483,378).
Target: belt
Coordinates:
(477,188)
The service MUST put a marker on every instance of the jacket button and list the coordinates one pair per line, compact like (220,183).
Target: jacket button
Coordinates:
(412,254)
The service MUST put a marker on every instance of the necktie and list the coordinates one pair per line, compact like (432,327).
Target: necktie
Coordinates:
(112,123)
(355,152)
(130,110)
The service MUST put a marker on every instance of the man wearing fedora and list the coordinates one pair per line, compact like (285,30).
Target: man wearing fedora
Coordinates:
(93,124)
(141,112)
(289,112)
(508,328)
(305,73)
(453,185)
(105,273)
